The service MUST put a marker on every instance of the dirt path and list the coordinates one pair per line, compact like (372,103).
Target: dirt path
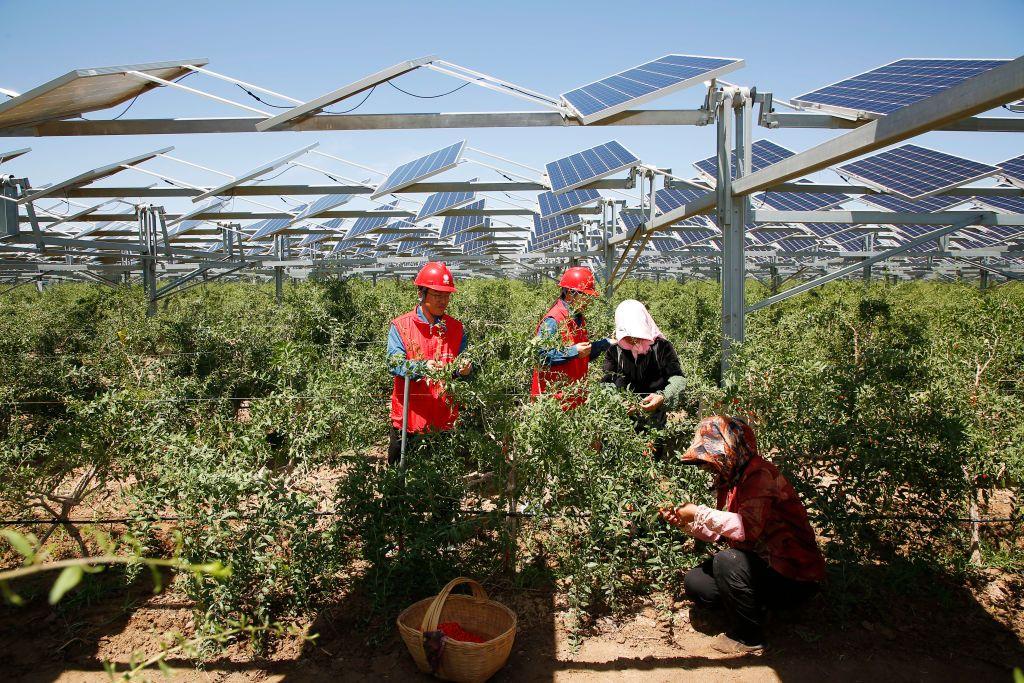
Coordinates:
(958,641)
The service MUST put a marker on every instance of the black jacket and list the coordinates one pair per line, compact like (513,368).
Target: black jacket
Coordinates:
(644,374)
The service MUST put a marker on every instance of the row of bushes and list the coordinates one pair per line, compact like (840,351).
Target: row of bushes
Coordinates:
(232,412)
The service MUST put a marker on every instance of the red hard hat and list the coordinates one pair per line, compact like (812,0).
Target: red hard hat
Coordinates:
(435,275)
(579,278)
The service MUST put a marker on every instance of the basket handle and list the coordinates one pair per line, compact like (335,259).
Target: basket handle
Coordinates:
(433,615)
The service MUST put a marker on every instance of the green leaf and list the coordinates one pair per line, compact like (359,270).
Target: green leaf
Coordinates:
(67,580)
(18,542)
(9,595)
(1018,676)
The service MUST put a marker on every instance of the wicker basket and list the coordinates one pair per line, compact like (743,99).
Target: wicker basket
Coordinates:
(461,661)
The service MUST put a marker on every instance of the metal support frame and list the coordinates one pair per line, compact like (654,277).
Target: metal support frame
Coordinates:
(150,218)
(866,263)
(735,106)
(279,270)
(336,122)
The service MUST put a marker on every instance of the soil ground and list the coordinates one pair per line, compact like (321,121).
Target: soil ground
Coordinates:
(880,627)
(966,634)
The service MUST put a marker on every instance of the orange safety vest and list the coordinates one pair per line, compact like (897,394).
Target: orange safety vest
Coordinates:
(430,408)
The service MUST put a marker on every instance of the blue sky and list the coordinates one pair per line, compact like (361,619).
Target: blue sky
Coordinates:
(304,49)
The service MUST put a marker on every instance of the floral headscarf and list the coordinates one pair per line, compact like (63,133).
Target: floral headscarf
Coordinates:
(726,444)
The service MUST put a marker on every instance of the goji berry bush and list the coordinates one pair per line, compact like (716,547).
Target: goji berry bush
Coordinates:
(896,410)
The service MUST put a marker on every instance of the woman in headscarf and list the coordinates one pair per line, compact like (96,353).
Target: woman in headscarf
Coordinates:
(644,362)
(773,557)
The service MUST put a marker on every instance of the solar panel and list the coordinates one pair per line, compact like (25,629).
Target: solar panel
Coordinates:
(883,90)
(366,224)
(92,176)
(632,220)
(543,227)
(688,238)
(416,170)
(554,204)
(823,230)
(255,173)
(926,205)
(401,230)
(322,205)
(212,205)
(1011,169)
(916,172)
(665,243)
(588,166)
(453,225)
(439,202)
(85,90)
(1004,204)
(801,201)
(268,227)
(648,81)
(666,199)
(797,244)
(292,116)
(762,153)
(774,235)
(13,154)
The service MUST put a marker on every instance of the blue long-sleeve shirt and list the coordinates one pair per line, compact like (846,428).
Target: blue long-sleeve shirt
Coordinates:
(396,347)
(561,354)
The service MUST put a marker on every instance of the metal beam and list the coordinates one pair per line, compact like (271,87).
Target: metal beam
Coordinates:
(965,192)
(972,124)
(836,274)
(267,190)
(985,91)
(334,122)
(886,217)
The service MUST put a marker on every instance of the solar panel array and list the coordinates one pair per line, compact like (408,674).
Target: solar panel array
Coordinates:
(453,225)
(926,205)
(1004,204)
(667,199)
(558,225)
(1013,170)
(801,201)
(416,170)
(367,224)
(321,205)
(643,83)
(589,165)
(797,244)
(916,172)
(269,227)
(762,153)
(893,86)
(439,202)
(552,204)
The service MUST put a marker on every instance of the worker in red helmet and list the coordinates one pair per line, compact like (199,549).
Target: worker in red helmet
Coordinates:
(419,342)
(563,332)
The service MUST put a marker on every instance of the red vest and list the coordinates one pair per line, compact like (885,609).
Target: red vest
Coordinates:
(430,408)
(574,369)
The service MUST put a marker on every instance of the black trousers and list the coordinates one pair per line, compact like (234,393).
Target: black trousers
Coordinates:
(744,584)
(395,445)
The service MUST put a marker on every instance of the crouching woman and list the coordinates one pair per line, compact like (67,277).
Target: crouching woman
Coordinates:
(773,558)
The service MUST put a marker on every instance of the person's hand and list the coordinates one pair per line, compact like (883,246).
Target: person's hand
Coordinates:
(583,349)
(465,368)
(434,364)
(680,515)
(652,402)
